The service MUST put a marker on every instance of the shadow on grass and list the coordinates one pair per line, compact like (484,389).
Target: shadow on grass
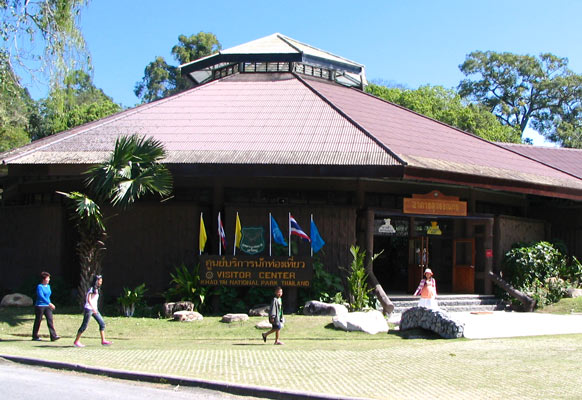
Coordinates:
(16,316)
(416,333)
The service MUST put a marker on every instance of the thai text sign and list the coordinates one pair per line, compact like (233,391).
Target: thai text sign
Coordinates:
(255,271)
(435,203)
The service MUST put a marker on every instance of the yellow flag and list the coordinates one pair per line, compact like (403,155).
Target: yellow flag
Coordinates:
(237,232)
(202,240)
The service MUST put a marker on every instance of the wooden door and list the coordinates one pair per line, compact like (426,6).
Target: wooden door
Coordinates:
(464,266)
(417,260)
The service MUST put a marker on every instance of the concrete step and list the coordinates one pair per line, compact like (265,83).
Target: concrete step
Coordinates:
(451,303)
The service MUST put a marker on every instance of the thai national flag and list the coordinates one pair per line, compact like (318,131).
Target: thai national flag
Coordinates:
(221,232)
(295,229)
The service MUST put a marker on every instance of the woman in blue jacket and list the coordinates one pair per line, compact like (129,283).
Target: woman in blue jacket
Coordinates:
(44,307)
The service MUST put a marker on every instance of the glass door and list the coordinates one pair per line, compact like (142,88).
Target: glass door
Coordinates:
(417,260)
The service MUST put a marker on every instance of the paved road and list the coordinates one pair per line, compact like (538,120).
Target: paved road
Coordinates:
(20,382)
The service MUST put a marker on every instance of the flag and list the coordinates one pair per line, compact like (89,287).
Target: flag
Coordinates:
(221,234)
(276,233)
(295,229)
(202,238)
(316,240)
(237,232)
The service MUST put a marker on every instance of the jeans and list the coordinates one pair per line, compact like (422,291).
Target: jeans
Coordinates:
(39,311)
(87,316)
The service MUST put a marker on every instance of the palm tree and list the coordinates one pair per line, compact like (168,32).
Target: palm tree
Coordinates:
(133,170)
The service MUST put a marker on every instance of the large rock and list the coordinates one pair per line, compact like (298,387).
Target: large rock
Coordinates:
(573,292)
(315,307)
(228,318)
(171,308)
(434,320)
(264,324)
(187,316)
(16,300)
(261,310)
(370,322)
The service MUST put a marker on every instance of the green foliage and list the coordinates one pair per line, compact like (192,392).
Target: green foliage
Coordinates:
(324,285)
(77,102)
(161,79)
(131,298)
(541,271)
(134,169)
(445,105)
(43,35)
(15,108)
(357,280)
(523,89)
(186,286)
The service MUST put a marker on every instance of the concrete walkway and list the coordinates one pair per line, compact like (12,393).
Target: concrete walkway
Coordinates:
(499,324)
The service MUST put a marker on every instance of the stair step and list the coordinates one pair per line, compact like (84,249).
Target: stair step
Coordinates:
(451,303)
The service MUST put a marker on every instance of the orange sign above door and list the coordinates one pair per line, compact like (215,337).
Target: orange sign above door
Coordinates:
(435,203)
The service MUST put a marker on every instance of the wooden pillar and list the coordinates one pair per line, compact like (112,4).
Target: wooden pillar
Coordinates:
(489,245)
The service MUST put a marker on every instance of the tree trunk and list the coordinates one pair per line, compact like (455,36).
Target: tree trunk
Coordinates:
(89,250)
(528,303)
(387,305)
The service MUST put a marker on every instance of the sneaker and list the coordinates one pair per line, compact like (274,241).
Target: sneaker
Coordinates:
(78,344)
(264,337)
(37,339)
(281,343)
(106,343)
(54,339)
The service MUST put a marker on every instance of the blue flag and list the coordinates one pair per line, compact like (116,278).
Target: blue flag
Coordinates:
(316,240)
(276,233)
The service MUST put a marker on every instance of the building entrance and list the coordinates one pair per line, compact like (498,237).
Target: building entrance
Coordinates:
(410,245)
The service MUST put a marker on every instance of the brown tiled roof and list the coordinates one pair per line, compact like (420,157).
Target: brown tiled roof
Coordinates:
(281,119)
(567,160)
(424,143)
(242,119)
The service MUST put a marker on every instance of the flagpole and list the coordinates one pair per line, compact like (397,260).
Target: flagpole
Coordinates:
(234,244)
(199,249)
(219,237)
(311,235)
(270,234)
(289,223)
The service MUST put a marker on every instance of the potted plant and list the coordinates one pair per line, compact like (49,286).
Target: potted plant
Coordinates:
(130,298)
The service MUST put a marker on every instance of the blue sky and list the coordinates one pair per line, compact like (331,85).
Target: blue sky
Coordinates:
(411,43)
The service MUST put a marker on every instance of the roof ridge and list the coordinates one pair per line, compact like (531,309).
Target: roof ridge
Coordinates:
(351,120)
(286,39)
(530,146)
(497,144)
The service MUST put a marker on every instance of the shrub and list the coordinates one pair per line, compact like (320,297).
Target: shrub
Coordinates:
(186,286)
(540,270)
(131,298)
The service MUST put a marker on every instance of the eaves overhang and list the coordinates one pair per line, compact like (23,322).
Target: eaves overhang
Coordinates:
(491,183)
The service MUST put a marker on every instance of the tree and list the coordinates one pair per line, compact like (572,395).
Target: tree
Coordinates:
(523,90)
(43,36)
(133,170)
(76,103)
(447,106)
(161,79)
(15,108)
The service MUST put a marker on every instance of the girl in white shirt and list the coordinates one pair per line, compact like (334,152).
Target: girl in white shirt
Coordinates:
(91,309)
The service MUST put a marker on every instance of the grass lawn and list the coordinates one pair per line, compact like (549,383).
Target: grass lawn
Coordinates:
(315,358)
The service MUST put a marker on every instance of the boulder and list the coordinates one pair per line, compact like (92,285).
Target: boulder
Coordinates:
(434,320)
(264,324)
(573,292)
(228,318)
(315,307)
(261,310)
(187,316)
(370,322)
(16,300)
(171,308)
